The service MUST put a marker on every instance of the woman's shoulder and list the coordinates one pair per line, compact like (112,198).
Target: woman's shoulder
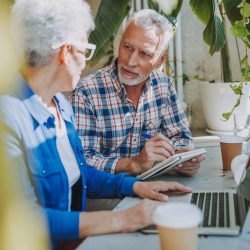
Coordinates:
(10,104)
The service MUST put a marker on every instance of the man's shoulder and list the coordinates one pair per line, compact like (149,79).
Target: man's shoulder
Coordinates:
(64,102)
(160,77)
(159,80)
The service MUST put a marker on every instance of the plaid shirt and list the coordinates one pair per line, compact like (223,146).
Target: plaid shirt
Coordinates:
(110,126)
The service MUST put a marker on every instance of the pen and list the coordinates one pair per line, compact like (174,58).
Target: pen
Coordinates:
(147,136)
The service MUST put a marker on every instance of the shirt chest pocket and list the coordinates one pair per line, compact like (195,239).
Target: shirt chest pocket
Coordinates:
(114,133)
(48,180)
(152,127)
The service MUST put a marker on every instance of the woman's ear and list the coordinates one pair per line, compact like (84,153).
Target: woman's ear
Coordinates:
(63,54)
(161,60)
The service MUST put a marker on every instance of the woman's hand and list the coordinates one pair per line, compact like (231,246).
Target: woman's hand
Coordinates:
(152,190)
(138,216)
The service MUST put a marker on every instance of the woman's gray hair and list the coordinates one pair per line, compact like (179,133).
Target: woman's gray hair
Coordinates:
(39,24)
(148,18)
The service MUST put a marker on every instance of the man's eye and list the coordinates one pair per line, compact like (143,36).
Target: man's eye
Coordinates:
(128,47)
(145,54)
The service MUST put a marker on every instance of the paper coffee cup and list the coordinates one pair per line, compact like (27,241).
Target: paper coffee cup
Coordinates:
(177,224)
(231,146)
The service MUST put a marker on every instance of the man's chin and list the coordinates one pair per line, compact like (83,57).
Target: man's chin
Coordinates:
(128,82)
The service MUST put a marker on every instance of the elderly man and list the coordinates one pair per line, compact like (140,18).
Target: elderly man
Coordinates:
(128,115)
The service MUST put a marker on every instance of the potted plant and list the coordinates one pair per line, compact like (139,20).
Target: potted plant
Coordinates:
(218,98)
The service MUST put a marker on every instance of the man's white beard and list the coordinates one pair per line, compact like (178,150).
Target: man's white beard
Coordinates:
(131,82)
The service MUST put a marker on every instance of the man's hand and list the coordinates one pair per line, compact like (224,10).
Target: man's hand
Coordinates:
(190,167)
(151,190)
(158,148)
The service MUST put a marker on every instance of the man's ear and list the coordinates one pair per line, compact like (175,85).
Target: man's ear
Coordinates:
(161,60)
(64,54)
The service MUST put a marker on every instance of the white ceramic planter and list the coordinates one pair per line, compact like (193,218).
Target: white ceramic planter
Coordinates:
(217,98)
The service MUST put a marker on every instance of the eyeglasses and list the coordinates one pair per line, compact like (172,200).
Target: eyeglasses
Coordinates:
(87,48)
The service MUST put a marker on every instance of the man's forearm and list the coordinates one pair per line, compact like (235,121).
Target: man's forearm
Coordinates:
(131,166)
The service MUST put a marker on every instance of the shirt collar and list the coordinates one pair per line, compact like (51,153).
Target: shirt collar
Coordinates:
(119,86)
(33,103)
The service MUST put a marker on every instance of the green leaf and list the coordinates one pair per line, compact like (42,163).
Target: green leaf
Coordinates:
(246,10)
(239,29)
(214,34)
(233,14)
(108,19)
(237,89)
(245,69)
(203,9)
(244,61)
(226,115)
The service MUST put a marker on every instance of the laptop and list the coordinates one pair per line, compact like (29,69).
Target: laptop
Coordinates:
(224,211)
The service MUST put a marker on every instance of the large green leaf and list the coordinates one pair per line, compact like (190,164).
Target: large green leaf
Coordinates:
(108,19)
(214,34)
(232,11)
(203,9)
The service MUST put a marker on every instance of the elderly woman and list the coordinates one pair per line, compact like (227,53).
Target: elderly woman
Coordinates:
(52,36)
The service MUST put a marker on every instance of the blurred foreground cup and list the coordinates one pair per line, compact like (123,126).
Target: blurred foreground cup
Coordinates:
(177,224)
(230,146)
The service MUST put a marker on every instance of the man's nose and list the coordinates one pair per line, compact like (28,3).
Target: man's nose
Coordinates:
(133,59)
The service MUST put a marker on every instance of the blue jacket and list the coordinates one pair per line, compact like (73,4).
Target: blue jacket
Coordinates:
(32,142)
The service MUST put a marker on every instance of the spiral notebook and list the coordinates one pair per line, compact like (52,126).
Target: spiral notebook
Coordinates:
(166,166)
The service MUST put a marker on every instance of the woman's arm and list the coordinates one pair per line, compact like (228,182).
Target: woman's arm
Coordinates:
(128,220)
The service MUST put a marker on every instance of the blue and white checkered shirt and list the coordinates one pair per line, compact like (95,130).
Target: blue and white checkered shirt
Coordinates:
(110,126)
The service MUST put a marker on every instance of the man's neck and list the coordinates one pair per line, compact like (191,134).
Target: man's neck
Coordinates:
(134,92)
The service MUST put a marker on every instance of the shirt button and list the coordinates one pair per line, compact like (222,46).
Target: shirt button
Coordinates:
(135,139)
(81,163)
(44,172)
(85,187)
(136,119)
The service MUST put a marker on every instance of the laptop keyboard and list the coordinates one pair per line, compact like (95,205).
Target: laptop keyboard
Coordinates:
(215,207)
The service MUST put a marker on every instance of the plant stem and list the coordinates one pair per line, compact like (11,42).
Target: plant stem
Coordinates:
(225,58)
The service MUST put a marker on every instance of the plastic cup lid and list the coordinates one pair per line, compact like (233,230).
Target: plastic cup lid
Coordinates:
(177,215)
(231,139)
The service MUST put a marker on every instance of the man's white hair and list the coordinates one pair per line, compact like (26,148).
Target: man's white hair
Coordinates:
(38,24)
(148,18)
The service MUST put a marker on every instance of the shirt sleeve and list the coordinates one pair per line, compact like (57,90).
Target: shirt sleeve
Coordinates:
(101,184)
(86,123)
(61,225)
(175,121)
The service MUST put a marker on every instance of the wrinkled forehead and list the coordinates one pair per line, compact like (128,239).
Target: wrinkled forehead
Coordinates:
(136,25)
(142,36)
